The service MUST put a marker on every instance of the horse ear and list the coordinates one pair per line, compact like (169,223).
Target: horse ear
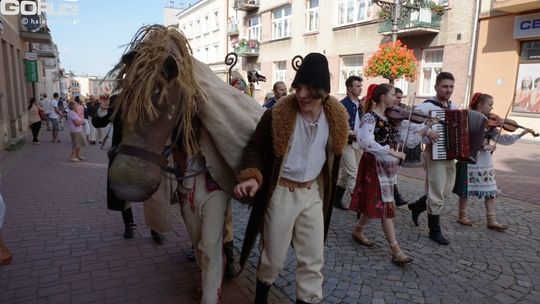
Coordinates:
(169,70)
(128,58)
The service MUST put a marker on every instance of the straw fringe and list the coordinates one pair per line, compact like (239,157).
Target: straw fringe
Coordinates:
(138,82)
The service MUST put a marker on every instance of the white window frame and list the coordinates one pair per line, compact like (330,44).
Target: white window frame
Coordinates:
(198,31)
(345,71)
(403,84)
(352,6)
(279,71)
(312,16)
(281,26)
(254,31)
(206,25)
(216,21)
(435,68)
(216,51)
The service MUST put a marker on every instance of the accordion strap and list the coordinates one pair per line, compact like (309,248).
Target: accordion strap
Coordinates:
(438,104)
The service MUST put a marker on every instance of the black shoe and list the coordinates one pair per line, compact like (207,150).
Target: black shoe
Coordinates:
(93,142)
(398,199)
(301,302)
(340,191)
(129,231)
(230,270)
(261,293)
(435,230)
(190,255)
(417,208)
(157,237)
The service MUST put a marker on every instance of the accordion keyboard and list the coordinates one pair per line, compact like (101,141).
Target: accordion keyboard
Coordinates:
(439,149)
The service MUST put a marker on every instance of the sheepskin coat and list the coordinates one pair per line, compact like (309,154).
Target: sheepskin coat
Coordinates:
(264,154)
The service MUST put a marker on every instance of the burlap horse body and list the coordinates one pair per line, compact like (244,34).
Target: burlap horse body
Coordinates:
(164,90)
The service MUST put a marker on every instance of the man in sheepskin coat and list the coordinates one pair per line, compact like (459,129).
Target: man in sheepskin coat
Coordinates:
(290,166)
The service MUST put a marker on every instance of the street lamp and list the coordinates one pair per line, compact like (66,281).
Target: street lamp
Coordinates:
(398,10)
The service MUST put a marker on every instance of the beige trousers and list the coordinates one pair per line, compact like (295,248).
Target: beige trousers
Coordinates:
(294,216)
(204,215)
(348,168)
(228,228)
(440,178)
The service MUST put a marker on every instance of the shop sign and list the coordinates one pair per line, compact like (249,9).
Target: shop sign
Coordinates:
(527,26)
(31,70)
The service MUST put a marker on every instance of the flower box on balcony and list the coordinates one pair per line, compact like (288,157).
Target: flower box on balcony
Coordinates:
(246,51)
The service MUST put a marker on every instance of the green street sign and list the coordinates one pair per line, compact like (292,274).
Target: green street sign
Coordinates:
(31,70)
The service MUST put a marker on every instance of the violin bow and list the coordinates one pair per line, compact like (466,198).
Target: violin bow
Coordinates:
(505,117)
(411,106)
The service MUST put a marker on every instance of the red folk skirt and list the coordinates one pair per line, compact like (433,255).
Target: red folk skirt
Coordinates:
(366,197)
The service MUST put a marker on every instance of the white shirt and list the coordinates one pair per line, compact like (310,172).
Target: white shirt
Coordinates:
(52,103)
(307,151)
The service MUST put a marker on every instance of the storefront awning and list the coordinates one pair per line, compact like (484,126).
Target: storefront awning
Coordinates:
(36,37)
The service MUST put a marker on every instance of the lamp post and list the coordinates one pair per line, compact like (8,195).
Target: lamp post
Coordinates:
(398,10)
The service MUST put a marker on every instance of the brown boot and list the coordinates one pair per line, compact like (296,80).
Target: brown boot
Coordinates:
(463,219)
(358,235)
(398,256)
(493,224)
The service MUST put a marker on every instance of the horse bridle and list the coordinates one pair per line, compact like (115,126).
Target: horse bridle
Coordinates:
(161,160)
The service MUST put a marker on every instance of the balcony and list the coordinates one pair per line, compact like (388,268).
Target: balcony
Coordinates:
(246,51)
(246,5)
(422,21)
(232,30)
(516,6)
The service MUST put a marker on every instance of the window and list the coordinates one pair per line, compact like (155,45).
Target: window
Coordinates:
(349,65)
(403,84)
(527,98)
(198,28)
(254,28)
(312,15)
(190,30)
(350,11)
(280,71)
(281,22)
(205,55)
(216,52)
(216,20)
(432,61)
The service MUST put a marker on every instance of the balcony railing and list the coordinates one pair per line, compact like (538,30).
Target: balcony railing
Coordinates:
(232,30)
(246,51)
(418,22)
(246,5)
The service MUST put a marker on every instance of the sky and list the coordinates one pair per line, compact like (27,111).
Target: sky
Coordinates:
(92,41)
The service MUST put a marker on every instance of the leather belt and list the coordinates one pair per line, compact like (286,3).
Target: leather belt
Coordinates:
(292,184)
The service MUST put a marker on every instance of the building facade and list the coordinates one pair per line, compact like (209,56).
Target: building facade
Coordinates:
(348,32)
(204,24)
(26,52)
(508,59)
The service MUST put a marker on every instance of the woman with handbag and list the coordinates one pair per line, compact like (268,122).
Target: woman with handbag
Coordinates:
(34,119)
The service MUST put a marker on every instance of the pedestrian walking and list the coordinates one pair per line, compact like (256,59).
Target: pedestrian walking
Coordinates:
(75,125)
(373,195)
(440,174)
(478,179)
(290,166)
(34,120)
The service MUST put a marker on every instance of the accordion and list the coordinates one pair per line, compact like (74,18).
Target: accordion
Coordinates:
(461,133)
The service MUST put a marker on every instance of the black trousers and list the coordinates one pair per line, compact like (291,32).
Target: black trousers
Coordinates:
(35,127)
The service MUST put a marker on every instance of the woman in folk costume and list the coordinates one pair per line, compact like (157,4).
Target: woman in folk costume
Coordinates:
(373,195)
(479,179)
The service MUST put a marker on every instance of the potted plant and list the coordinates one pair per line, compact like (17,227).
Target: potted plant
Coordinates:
(436,8)
(384,15)
(392,60)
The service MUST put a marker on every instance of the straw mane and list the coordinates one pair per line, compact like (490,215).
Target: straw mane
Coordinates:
(138,81)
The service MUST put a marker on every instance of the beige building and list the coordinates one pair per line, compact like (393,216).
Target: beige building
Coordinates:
(508,59)
(205,25)
(349,31)
(20,80)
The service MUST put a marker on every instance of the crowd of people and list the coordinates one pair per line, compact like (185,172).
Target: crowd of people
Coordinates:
(309,152)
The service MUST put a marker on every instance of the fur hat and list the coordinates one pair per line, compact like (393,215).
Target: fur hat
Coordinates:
(313,71)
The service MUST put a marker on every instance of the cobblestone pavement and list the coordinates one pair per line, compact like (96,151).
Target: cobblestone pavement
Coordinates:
(479,265)
(69,249)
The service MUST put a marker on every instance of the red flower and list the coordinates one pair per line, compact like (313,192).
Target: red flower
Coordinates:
(392,61)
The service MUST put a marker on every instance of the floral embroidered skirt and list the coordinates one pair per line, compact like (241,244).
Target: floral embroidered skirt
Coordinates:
(367,197)
(475,180)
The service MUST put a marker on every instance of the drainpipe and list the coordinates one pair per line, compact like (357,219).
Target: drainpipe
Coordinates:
(472,55)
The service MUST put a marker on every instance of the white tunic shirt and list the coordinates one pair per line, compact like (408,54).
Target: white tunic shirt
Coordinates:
(307,151)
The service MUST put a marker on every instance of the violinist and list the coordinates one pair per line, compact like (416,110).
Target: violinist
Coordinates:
(479,179)
(378,136)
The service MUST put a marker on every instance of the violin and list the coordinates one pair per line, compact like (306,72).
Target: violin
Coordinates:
(507,124)
(398,113)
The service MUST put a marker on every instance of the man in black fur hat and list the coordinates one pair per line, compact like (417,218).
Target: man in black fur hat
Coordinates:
(290,166)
